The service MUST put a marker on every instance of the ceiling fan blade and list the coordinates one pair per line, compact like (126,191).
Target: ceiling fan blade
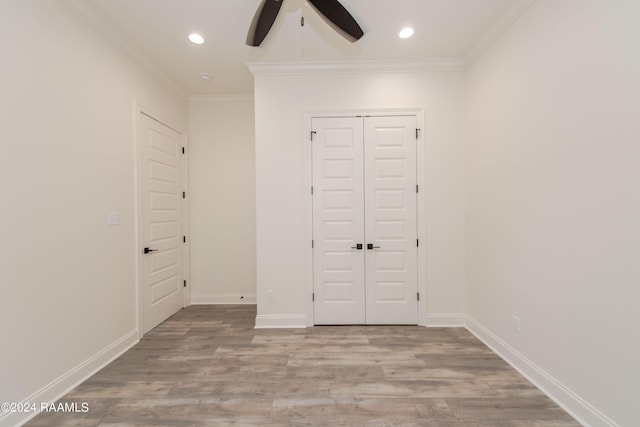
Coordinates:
(263,21)
(339,18)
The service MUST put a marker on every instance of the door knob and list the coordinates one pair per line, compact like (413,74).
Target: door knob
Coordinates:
(357,246)
(370,246)
(147,250)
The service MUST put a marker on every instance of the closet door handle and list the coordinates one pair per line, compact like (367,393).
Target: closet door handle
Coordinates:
(358,246)
(370,246)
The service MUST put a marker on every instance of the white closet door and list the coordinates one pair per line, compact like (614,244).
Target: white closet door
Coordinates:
(390,220)
(338,221)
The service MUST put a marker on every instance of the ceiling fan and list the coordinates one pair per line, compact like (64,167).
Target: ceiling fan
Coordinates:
(331,11)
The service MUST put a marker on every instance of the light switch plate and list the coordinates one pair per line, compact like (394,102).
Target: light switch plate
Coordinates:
(113,218)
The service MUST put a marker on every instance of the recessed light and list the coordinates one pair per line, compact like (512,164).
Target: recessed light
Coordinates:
(406,32)
(196,38)
(205,76)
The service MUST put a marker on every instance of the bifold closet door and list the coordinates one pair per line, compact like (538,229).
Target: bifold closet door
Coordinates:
(364,220)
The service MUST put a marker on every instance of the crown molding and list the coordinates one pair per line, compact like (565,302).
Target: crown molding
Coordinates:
(220,99)
(92,18)
(355,67)
(497,31)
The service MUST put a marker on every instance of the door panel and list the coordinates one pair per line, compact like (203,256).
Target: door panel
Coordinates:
(161,222)
(390,225)
(338,224)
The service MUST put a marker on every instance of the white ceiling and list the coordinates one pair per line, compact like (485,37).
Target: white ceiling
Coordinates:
(157,31)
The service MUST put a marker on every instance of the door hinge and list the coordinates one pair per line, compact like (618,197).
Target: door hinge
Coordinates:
(312,244)
(417,133)
(184,239)
(418,296)
(182,150)
(416,188)
(312,189)
(313,132)
(184,194)
(184,285)
(417,243)
(313,296)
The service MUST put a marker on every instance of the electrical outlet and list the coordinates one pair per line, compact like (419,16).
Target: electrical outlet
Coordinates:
(516,324)
(269,295)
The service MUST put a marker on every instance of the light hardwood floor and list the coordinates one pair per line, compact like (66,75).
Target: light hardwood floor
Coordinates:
(207,366)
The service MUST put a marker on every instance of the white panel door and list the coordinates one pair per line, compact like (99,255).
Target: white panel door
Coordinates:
(160,221)
(364,220)
(390,220)
(338,222)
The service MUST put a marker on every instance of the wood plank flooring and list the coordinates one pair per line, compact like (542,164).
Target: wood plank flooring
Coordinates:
(207,366)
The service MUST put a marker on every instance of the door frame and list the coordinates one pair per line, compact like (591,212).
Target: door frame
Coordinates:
(138,111)
(421,203)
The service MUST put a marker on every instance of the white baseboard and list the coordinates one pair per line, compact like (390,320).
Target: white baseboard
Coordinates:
(217,299)
(446,320)
(554,389)
(268,321)
(454,320)
(68,381)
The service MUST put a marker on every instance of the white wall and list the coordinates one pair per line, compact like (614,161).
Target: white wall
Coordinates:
(222,200)
(282,184)
(553,204)
(66,159)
